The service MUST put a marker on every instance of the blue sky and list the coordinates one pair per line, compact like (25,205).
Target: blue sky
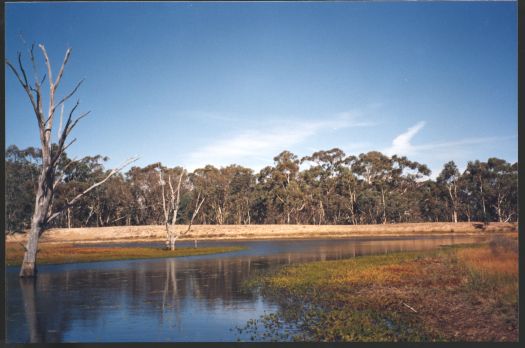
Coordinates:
(220,83)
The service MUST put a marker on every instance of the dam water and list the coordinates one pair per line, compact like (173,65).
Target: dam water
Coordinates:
(196,298)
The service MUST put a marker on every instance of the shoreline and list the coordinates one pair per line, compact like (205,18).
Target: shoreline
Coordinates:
(154,233)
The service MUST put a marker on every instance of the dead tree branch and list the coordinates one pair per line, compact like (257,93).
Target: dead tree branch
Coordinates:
(70,203)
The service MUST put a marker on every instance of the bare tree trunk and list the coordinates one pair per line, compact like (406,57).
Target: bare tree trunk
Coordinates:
(321,213)
(42,202)
(499,201)
(453,199)
(194,215)
(384,204)
(482,199)
(47,182)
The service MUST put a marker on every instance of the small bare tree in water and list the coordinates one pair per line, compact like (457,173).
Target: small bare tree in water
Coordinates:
(170,205)
(43,212)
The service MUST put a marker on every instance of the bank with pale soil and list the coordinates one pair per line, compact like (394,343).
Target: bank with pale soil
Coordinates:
(253,232)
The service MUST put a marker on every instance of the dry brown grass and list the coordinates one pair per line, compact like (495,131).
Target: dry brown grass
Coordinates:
(149,233)
(490,263)
(459,294)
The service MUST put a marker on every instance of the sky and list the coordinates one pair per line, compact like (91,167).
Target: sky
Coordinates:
(221,83)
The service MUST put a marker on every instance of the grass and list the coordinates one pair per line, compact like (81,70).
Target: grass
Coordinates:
(70,253)
(157,232)
(461,293)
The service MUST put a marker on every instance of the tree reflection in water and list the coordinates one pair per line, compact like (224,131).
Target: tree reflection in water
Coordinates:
(182,299)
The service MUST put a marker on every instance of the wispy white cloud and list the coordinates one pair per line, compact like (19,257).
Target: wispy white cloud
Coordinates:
(257,147)
(401,144)
(436,152)
(459,143)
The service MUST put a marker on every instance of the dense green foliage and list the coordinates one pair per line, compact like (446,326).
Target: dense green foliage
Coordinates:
(332,188)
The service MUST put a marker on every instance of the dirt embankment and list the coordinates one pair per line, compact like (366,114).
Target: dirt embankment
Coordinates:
(243,232)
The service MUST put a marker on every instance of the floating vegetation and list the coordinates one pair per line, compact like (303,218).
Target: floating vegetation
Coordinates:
(465,293)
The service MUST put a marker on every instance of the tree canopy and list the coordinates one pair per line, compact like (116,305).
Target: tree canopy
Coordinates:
(333,188)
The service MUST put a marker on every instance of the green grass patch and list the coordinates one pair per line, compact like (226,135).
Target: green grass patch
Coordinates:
(69,253)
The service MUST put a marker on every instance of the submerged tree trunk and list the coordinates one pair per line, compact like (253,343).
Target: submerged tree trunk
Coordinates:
(30,308)
(42,202)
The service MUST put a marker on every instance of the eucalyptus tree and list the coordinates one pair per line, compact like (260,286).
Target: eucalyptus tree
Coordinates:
(376,171)
(146,207)
(44,212)
(284,185)
(213,184)
(430,202)
(502,185)
(476,177)
(407,178)
(449,178)
(324,178)
(241,194)
(263,209)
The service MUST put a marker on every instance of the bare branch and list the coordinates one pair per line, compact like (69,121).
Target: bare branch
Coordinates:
(59,178)
(61,72)
(76,121)
(48,65)
(177,202)
(35,70)
(16,73)
(38,90)
(22,68)
(195,212)
(61,150)
(162,184)
(65,132)
(80,195)
(68,145)
(59,134)
(70,94)
(63,136)
(52,89)
(28,90)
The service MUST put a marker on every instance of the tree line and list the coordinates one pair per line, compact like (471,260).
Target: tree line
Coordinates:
(327,187)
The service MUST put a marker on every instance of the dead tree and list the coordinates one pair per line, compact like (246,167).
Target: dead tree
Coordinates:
(172,208)
(170,205)
(43,212)
(195,212)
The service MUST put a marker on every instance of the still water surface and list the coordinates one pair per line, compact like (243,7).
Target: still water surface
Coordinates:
(195,298)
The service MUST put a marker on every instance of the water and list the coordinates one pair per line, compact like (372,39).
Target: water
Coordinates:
(195,298)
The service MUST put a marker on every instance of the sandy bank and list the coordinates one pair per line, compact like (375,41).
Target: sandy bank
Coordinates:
(243,232)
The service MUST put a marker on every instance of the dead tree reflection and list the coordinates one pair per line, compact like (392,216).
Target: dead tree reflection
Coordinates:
(170,297)
(30,309)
